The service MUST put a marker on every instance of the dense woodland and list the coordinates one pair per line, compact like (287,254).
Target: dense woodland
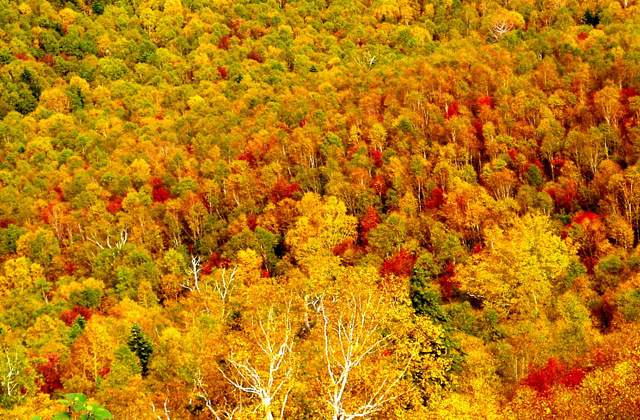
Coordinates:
(259,209)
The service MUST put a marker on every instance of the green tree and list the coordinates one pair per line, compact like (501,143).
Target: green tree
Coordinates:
(141,346)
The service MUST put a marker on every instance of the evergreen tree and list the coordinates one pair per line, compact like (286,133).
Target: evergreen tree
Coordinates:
(141,346)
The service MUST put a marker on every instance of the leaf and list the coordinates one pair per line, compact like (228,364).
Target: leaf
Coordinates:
(81,398)
(102,413)
(36,418)
(61,416)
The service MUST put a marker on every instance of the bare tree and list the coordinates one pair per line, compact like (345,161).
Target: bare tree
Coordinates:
(223,287)
(225,410)
(124,235)
(194,271)
(11,367)
(352,335)
(504,21)
(268,372)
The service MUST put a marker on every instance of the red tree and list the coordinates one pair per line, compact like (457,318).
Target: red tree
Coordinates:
(400,264)
(49,371)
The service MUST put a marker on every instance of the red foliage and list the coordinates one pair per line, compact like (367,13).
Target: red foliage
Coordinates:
(379,185)
(436,199)
(254,55)
(4,223)
(376,155)
(71,267)
(252,222)
(224,42)
(69,316)
(564,199)
(485,101)
(343,247)
(214,261)
(188,147)
(248,156)
(477,249)
(479,126)
(369,221)
(156,182)
(50,373)
(283,189)
(629,92)
(582,36)
(21,56)
(160,195)
(538,164)
(339,34)
(223,73)
(159,117)
(586,217)
(448,282)
(553,373)
(46,214)
(104,372)
(557,162)
(60,193)
(573,378)
(265,274)
(544,378)
(47,59)
(303,122)
(451,110)
(400,264)
(114,205)
(513,154)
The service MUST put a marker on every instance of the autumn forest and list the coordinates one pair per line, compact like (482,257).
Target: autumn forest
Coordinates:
(319,209)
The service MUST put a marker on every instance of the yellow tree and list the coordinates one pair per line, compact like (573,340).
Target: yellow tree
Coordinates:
(322,225)
(516,272)
(370,340)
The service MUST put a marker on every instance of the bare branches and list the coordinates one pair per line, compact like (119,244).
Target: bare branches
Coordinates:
(124,235)
(227,411)
(224,287)
(268,374)
(351,328)
(365,60)
(10,369)
(194,271)
(166,411)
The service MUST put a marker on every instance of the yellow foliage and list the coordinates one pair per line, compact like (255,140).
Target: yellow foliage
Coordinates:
(516,272)
(322,225)
(56,100)
(19,274)
(68,16)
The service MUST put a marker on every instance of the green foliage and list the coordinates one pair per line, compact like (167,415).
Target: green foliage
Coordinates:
(88,297)
(629,305)
(77,328)
(9,237)
(79,408)
(141,346)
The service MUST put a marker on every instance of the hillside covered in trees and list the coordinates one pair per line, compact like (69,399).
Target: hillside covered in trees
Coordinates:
(266,209)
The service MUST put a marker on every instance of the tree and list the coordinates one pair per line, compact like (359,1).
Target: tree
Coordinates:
(141,346)
(265,366)
(504,21)
(516,273)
